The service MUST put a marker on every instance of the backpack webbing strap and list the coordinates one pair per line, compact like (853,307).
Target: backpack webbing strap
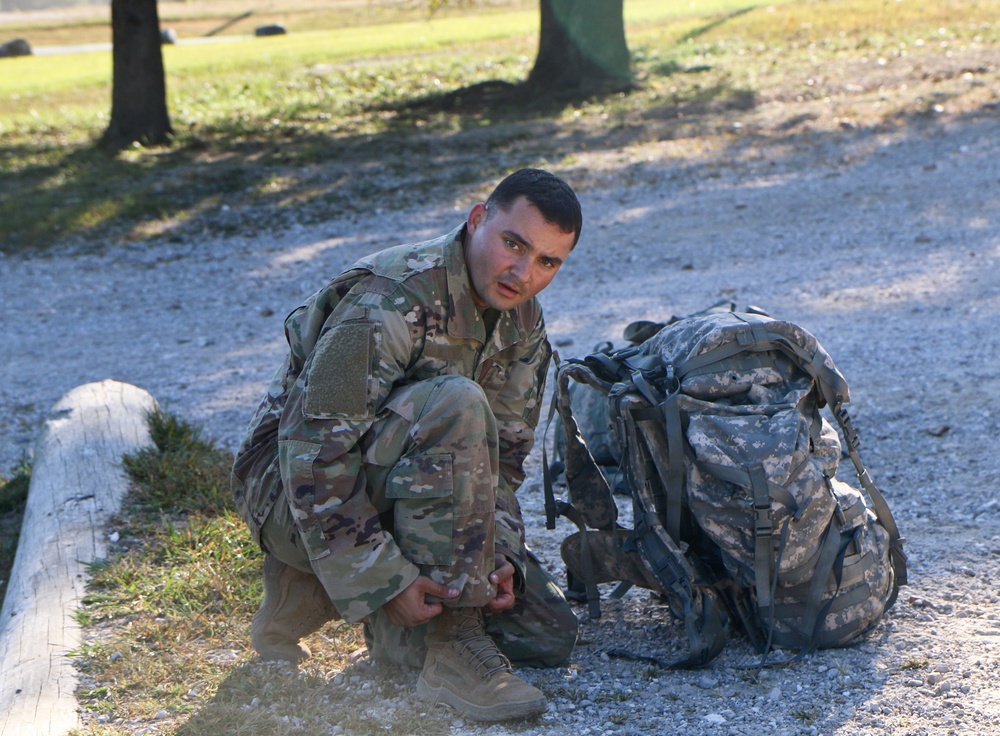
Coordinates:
(739,602)
(832,636)
(586,560)
(763,560)
(551,506)
(851,574)
(663,433)
(881,508)
(769,610)
(707,635)
(675,465)
(742,478)
(833,550)
(853,597)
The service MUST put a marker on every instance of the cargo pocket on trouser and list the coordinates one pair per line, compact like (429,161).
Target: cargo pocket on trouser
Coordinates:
(442,527)
(421,490)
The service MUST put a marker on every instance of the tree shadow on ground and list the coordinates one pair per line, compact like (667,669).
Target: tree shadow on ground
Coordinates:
(225,180)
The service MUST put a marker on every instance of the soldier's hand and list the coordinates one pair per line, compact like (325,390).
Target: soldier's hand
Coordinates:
(410,608)
(503,578)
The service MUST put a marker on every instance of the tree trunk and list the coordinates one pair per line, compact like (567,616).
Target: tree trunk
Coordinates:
(138,86)
(582,49)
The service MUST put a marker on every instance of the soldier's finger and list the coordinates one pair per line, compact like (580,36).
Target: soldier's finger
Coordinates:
(504,572)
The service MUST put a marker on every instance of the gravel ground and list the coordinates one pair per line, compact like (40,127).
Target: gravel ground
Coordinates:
(885,246)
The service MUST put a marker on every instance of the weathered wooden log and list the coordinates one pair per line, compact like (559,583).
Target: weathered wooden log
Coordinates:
(77,482)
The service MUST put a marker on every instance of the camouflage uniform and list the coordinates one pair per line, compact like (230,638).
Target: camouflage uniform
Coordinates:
(392,440)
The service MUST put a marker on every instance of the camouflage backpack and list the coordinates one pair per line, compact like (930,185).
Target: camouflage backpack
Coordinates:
(738,513)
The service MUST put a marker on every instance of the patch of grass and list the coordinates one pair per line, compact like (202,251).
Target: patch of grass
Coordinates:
(807,715)
(13,497)
(181,471)
(14,490)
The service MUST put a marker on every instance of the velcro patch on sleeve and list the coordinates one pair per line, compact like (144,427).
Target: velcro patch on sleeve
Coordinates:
(340,371)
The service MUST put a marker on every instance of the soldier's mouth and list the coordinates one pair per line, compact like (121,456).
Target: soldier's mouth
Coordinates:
(507,291)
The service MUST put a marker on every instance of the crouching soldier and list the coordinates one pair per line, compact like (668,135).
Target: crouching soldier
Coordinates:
(378,474)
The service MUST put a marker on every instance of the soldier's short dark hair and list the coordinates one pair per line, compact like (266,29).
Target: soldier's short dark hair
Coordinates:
(553,197)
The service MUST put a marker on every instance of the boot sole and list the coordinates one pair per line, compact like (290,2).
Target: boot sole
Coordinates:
(499,712)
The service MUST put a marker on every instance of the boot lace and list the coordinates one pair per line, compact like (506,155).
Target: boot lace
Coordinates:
(473,642)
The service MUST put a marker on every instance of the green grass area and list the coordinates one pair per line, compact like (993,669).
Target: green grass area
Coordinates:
(276,130)
(13,497)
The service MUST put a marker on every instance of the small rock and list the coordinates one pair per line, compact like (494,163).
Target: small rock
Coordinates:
(715,718)
(274,29)
(222,656)
(17,47)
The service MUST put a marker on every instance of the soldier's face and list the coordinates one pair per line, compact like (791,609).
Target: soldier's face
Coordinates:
(512,255)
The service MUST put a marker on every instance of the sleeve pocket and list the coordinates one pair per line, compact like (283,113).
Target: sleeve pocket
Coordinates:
(423,508)
(340,371)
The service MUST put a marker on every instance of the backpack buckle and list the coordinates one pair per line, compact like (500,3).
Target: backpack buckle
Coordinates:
(763,525)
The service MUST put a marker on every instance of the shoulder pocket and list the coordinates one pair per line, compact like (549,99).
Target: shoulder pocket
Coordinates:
(340,372)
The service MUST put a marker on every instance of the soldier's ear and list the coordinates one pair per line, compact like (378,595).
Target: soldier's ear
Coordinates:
(477,216)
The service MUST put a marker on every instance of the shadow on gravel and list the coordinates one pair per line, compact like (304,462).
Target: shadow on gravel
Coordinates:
(360,700)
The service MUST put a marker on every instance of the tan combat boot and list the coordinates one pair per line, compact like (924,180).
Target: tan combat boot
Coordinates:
(295,605)
(465,669)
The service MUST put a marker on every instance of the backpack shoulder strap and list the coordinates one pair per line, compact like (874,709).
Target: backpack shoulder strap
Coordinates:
(588,489)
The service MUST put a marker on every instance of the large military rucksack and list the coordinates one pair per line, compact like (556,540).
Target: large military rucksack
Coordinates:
(738,513)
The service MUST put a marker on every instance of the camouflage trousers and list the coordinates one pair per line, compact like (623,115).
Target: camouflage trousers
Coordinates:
(443,522)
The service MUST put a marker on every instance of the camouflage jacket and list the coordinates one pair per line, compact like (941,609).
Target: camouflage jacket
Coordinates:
(396,317)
